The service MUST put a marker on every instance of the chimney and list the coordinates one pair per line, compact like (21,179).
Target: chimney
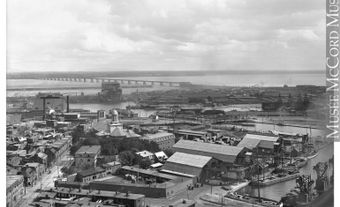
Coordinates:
(67,104)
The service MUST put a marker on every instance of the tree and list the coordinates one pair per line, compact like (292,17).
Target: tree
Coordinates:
(127,158)
(76,134)
(91,141)
(144,163)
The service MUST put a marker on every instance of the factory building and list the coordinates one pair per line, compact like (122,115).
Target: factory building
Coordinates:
(164,140)
(231,162)
(191,164)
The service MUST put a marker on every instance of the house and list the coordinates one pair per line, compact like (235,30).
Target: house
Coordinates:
(161,156)
(86,156)
(41,158)
(146,155)
(14,189)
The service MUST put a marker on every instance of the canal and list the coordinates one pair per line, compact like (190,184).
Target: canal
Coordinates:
(278,190)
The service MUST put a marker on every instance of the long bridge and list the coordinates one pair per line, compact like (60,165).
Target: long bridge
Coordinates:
(118,80)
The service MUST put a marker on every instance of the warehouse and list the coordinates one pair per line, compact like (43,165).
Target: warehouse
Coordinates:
(231,162)
(196,165)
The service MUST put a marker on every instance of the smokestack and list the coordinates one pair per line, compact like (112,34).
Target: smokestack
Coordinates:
(44,110)
(67,104)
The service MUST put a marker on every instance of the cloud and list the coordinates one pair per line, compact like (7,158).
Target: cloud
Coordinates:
(61,35)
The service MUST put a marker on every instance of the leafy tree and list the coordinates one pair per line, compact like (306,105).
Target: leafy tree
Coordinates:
(76,134)
(91,141)
(144,163)
(127,158)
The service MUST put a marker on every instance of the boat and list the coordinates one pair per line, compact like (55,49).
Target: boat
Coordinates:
(248,124)
(310,192)
(280,124)
(312,155)
(246,200)
(301,162)
(278,178)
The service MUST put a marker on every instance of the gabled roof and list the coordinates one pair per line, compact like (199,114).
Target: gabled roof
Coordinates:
(224,153)
(249,143)
(198,161)
(42,155)
(161,154)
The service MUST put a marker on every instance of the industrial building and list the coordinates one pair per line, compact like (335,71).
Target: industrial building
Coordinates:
(231,162)
(196,165)
(262,144)
(164,140)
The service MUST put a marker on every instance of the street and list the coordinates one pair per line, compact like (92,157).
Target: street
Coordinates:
(45,182)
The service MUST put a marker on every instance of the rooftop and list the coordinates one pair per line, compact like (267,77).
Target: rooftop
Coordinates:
(94,149)
(189,159)
(144,153)
(149,172)
(102,193)
(90,171)
(161,154)
(249,143)
(187,131)
(261,137)
(11,179)
(221,152)
(157,135)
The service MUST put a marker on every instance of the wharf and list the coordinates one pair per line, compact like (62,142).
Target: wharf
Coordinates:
(274,180)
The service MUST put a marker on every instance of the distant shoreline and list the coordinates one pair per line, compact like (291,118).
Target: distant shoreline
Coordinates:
(28,75)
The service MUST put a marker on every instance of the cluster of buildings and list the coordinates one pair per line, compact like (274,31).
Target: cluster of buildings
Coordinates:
(32,150)
(198,155)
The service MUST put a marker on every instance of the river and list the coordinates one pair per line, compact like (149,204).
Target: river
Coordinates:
(278,190)
(245,80)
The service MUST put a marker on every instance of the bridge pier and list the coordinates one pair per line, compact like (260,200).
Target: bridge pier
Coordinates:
(129,82)
(144,82)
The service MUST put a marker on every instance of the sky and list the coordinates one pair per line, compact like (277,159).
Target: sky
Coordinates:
(113,35)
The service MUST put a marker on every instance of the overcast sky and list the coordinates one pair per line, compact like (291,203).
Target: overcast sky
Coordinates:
(112,35)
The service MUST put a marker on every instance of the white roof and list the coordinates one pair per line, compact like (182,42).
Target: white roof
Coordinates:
(221,152)
(156,165)
(161,154)
(144,153)
(261,137)
(189,159)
